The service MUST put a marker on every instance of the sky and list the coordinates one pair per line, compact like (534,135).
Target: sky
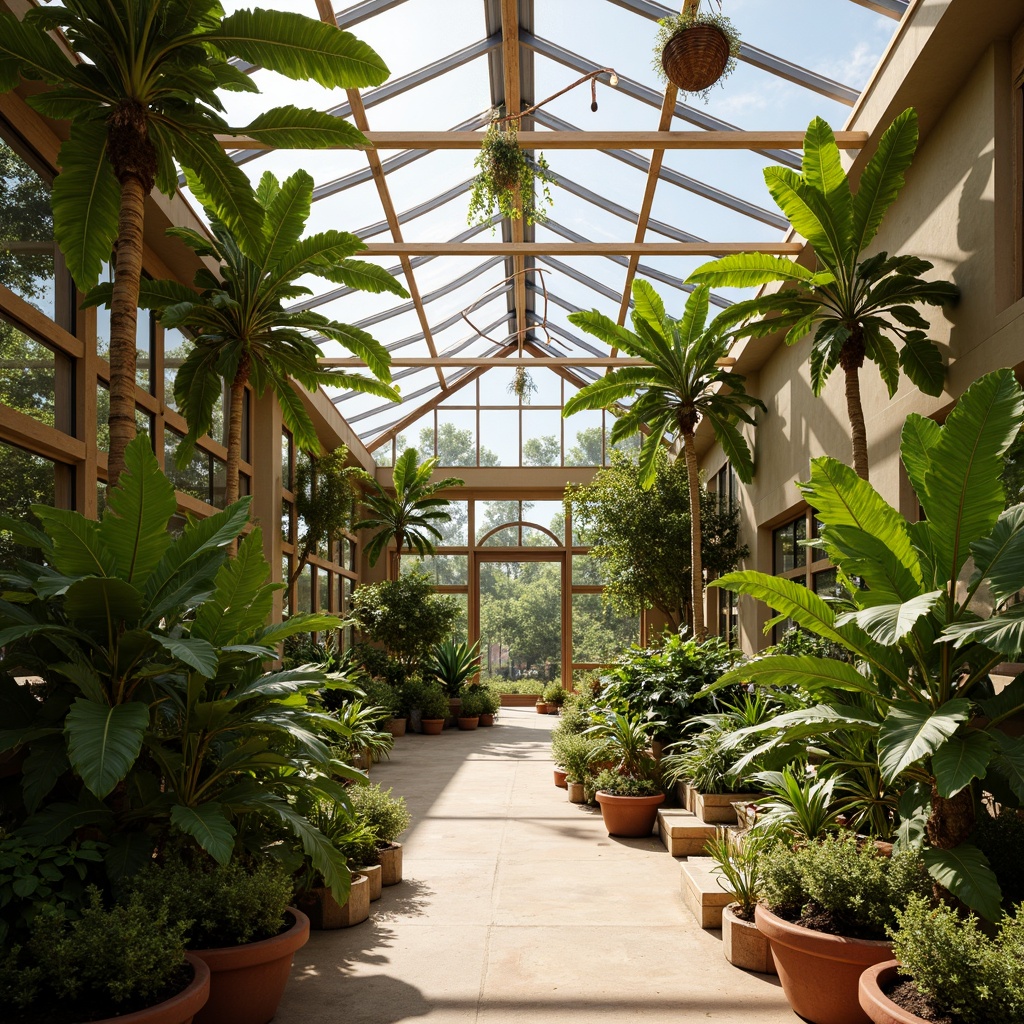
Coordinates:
(836,38)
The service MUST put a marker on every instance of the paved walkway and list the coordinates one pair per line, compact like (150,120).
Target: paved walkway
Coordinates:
(517,906)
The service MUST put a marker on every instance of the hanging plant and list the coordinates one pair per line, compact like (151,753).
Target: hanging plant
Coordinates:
(506,179)
(695,50)
(522,385)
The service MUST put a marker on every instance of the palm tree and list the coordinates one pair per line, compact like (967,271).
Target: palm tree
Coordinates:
(144,97)
(683,385)
(241,328)
(410,516)
(859,305)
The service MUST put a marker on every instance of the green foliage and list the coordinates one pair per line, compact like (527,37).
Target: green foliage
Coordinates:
(386,815)
(738,864)
(474,701)
(923,644)
(361,735)
(405,616)
(554,693)
(490,699)
(432,701)
(972,976)
(524,686)
(381,694)
(641,535)
(576,713)
(103,964)
(841,884)
(611,781)
(798,641)
(453,665)
(665,682)
(799,806)
(218,905)
(576,754)
(1001,838)
(627,741)
(507,181)
(674,24)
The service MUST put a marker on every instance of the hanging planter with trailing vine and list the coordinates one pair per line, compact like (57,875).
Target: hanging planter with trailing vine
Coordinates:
(695,50)
(506,179)
(522,385)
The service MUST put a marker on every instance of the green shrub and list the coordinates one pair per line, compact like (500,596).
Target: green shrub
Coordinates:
(105,963)
(432,701)
(474,701)
(576,712)
(972,977)
(553,693)
(1001,839)
(575,754)
(222,906)
(387,816)
(526,686)
(841,885)
(610,781)
(490,700)
(381,694)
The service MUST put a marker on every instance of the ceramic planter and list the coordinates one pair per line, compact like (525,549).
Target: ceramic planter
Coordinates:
(744,945)
(373,875)
(876,1004)
(542,707)
(486,721)
(247,982)
(468,722)
(553,709)
(560,778)
(396,727)
(390,858)
(577,792)
(432,726)
(820,973)
(629,816)
(325,913)
(179,1009)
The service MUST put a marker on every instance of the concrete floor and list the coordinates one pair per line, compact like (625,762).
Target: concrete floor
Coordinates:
(517,906)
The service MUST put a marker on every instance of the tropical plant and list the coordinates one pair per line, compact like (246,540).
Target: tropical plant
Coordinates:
(858,305)
(241,328)
(627,740)
(575,754)
(507,180)
(144,98)
(923,641)
(453,665)
(410,517)
(673,25)
(796,804)
(155,719)
(360,727)
(683,384)
(738,864)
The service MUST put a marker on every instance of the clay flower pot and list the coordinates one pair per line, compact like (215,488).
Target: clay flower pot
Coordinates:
(396,726)
(486,721)
(179,1009)
(468,722)
(577,793)
(390,858)
(432,726)
(542,707)
(629,816)
(875,1003)
(373,875)
(560,778)
(744,946)
(820,973)
(247,982)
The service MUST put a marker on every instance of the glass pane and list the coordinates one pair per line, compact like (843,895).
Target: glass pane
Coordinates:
(549,514)
(220,481)
(28,374)
(455,533)
(542,437)
(583,438)
(26,480)
(599,634)
(826,584)
(784,548)
(304,590)
(491,514)
(287,463)
(456,438)
(194,478)
(800,532)
(287,511)
(27,248)
(323,586)
(446,570)
(460,629)
(286,574)
(143,421)
(586,571)
(499,433)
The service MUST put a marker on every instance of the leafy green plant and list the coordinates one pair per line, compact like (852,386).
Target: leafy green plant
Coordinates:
(506,180)
(474,701)
(627,740)
(797,805)
(102,964)
(924,646)
(387,815)
(576,754)
(618,784)
(857,305)
(841,885)
(554,693)
(218,905)
(360,730)
(738,864)
(380,694)
(674,24)
(433,702)
(453,665)
(1000,838)
(490,700)
(683,385)
(973,977)
(410,516)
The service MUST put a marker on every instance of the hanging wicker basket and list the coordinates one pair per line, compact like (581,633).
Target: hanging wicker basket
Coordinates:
(695,58)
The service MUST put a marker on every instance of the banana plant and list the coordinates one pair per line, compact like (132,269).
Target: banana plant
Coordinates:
(858,306)
(155,717)
(932,613)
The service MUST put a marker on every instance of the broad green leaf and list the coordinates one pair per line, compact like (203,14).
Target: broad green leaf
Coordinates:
(84,675)
(86,200)
(292,127)
(999,557)
(605,329)
(960,760)
(822,167)
(913,731)
(888,624)
(919,436)
(1003,632)
(808,672)
(882,178)
(55,822)
(209,827)
(1008,701)
(368,277)
(103,605)
(134,526)
(748,269)
(967,874)
(78,549)
(963,496)
(735,446)
(922,363)
(195,653)
(648,304)
(24,50)
(128,854)
(46,763)
(1009,760)
(241,603)
(104,741)
(809,213)
(914,808)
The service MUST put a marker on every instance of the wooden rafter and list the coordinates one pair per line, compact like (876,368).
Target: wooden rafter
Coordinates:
(355,101)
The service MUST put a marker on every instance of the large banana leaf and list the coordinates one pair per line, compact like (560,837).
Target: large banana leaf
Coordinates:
(104,741)
(912,731)
(967,874)
(209,826)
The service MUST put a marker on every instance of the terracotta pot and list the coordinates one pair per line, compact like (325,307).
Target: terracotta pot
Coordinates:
(179,1009)
(390,858)
(577,793)
(469,722)
(744,946)
(247,982)
(325,913)
(396,727)
(820,973)
(875,1003)
(553,709)
(542,708)
(432,726)
(560,778)
(629,816)
(486,721)
(373,875)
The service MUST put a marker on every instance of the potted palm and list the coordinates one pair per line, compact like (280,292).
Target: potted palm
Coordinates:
(628,793)
(694,50)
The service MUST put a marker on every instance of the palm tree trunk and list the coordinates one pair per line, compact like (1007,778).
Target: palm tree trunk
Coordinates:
(696,566)
(124,314)
(231,486)
(851,359)
(395,557)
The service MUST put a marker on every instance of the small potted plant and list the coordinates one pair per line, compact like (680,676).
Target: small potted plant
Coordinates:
(554,696)
(380,693)
(473,703)
(490,701)
(695,50)
(454,666)
(947,968)
(826,908)
(506,180)
(387,817)
(434,709)
(577,755)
